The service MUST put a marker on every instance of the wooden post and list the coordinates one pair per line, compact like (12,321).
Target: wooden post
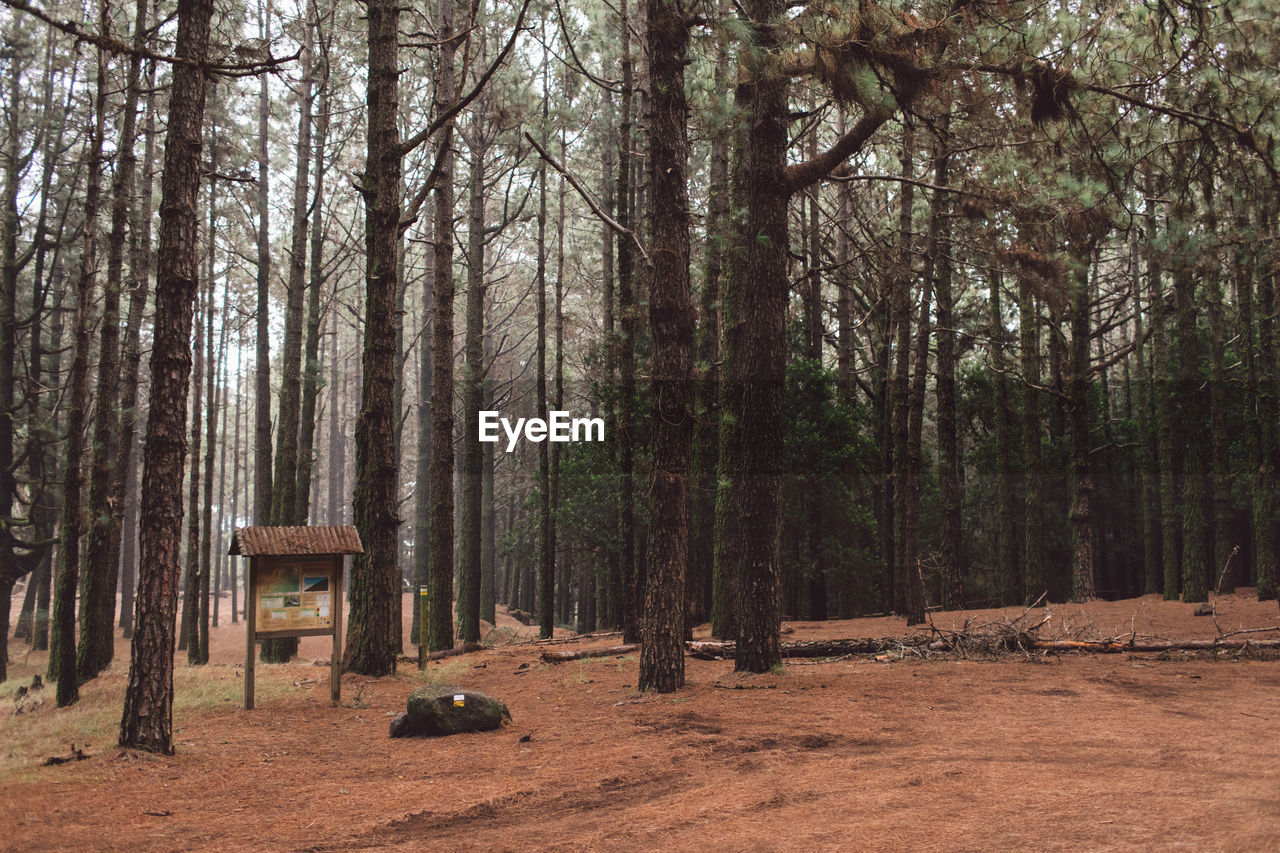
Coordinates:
(335,666)
(423,620)
(251,623)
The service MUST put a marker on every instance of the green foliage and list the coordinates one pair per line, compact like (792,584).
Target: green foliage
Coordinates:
(827,459)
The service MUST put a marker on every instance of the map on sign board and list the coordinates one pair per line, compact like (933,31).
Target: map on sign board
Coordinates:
(294,595)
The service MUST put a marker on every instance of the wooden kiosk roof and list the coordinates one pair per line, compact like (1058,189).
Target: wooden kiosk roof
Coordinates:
(291,541)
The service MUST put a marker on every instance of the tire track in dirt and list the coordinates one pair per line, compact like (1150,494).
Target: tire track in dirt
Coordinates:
(515,809)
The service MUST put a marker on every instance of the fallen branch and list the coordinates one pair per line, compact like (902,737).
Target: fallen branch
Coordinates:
(1113,647)
(952,641)
(576,638)
(710,650)
(463,649)
(583,654)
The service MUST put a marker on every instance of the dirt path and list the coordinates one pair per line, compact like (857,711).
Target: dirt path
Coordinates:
(1095,752)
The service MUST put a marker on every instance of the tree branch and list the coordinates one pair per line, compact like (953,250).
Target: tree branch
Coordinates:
(586,196)
(115,46)
(803,175)
(448,115)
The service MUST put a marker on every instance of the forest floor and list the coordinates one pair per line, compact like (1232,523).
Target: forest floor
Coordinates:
(886,752)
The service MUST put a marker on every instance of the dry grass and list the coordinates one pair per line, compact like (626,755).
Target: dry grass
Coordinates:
(93,723)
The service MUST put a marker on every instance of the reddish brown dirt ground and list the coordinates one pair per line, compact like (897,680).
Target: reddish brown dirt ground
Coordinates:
(1093,752)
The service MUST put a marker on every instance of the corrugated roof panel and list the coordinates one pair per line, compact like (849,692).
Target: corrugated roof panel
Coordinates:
(287,541)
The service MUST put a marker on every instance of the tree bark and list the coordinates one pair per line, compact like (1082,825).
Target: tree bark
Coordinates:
(62,653)
(1035,581)
(98,593)
(954,558)
(375,588)
(147,722)
(189,638)
(546,540)
(312,368)
(751,427)
(671,320)
(1079,390)
(900,297)
(708,596)
(1008,570)
(284,492)
(1189,430)
(262,379)
(630,593)
(125,487)
(440,546)
(472,399)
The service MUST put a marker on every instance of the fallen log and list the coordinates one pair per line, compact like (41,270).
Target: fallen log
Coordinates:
(463,649)
(574,638)
(711,650)
(582,654)
(1117,646)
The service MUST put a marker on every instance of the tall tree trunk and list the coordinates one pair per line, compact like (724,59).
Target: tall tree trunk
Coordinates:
(488,522)
(211,427)
(287,505)
(440,545)
(707,594)
(262,379)
(954,559)
(190,628)
(626,437)
(422,496)
(1034,576)
(1147,478)
(671,320)
(375,589)
(1219,435)
(564,582)
(1196,528)
(1079,390)
(1264,485)
(125,488)
(312,368)
(751,444)
(224,376)
(1163,386)
(546,542)
(337,429)
(610,585)
(751,427)
(284,492)
(147,722)
(62,654)
(910,546)
(905,558)
(235,490)
(472,399)
(1008,575)
(98,592)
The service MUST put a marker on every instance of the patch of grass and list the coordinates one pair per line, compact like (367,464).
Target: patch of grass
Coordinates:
(444,672)
(200,689)
(93,723)
(503,636)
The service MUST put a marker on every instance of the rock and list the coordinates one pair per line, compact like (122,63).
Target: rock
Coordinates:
(1203,609)
(446,709)
(400,725)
